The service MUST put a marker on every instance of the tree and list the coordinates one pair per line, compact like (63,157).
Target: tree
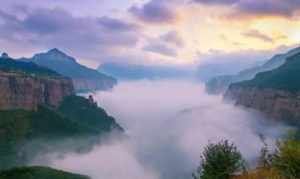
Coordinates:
(287,158)
(219,161)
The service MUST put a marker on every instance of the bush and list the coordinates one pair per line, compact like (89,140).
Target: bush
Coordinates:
(287,158)
(219,161)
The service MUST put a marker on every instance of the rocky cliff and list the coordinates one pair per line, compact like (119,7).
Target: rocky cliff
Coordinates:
(26,85)
(277,104)
(275,93)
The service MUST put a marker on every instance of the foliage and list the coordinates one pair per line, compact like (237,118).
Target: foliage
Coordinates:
(88,114)
(283,164)
(287,158)
(220,161)
(286,77)
(260,173)
(76,117)
(38,173)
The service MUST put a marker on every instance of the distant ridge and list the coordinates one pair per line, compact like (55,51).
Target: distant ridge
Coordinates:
(126,71)
(84,78)
(220,84)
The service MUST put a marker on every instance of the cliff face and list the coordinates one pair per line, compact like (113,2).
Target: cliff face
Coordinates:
(275,93)
(19,91)
(277,104)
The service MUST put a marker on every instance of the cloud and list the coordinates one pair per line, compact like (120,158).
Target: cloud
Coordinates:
(270,7)
(166,44)
(168,124)
(285,8)
(258,35)
(156,12)
(160,48)
(173,37)
(217,2)
(83,36)
(116,24)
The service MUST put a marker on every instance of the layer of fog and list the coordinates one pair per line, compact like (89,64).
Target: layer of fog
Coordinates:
(168,124)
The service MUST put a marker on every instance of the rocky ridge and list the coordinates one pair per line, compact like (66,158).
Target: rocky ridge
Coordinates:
(276,93)
(220,84)
(27,90)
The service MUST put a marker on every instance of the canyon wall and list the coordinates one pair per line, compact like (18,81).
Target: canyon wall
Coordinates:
(19,91)
(277,104)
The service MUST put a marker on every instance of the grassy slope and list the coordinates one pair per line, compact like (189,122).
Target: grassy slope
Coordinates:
(285,77)
(38,173)
(85,112)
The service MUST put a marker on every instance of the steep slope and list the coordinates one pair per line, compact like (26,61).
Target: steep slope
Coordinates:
(38,173)
(275,92)
(24,85)
(220,84)
(84,78)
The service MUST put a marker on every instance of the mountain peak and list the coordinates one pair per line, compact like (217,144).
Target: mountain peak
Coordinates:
(56,51)
(4,55)
(55,54)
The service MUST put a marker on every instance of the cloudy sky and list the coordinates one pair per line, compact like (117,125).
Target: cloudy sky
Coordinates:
(148,31)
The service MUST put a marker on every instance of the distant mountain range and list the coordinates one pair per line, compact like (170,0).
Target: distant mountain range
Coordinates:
(285,77)
(126,71)
(84,78)
(220,84)
(275,93)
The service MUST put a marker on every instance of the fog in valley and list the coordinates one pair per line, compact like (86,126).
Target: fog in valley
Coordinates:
(168,123)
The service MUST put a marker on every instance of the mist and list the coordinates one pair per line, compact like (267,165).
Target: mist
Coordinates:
(168,123)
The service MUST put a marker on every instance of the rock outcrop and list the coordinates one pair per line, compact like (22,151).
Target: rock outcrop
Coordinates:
(26,86)
(277,104)
(25,92)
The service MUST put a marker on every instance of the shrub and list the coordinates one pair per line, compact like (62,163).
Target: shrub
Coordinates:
(219,161)
(287,158)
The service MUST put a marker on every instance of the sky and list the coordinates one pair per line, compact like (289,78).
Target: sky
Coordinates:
(149,31)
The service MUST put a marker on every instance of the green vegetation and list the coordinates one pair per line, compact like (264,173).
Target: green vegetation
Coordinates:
(27,68)
(76,117)
(38,173)
(286,77)
(286,159)
(223,161)
(88,114)
(219,161)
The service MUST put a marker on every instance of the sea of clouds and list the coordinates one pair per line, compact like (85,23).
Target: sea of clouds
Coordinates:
(168,124)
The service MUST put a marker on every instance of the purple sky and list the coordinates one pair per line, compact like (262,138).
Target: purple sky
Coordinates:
(145,31)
